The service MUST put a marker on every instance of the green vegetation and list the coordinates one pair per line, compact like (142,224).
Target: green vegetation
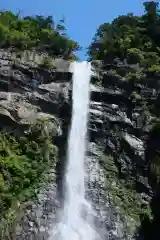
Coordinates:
(123,194)
(154,68)
(23,160)
(136,76)
(47,62)
(129,38)
(36,32)
(155,169)
(154,154)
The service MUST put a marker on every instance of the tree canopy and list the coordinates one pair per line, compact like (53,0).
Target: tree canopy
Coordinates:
(134,38)
(38,32)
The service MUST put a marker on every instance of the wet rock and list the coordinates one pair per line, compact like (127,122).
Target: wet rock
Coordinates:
(123,128)
(38,217)
(135,144)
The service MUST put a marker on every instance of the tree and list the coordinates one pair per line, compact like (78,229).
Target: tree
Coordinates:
(129,38)
(151,20)
(36,32)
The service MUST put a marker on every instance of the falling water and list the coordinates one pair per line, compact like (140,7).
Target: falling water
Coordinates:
(76,222)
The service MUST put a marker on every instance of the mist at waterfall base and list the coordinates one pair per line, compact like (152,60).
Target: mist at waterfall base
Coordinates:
(76,221)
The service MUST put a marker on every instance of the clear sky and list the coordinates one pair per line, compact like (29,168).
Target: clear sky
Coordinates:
(82,16)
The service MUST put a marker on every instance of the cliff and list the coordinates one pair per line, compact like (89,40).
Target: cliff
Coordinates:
(34,119)
(35,114)
(125,54)
(122,159)
(122,132)
(123,128)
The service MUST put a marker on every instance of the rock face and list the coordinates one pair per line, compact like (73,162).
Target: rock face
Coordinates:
(120,126)
(26,95)
(38,217)
(119,147)
(27,92)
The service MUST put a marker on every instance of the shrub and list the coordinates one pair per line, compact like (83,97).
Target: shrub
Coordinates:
(155,169)
(150,59)
(47,62)
(154,68)
(22,162)
(134,55)
(136,76)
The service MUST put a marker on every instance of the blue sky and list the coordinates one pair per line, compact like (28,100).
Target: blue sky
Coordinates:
(82,16)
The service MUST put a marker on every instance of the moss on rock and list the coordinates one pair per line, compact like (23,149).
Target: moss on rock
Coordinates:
(23,163)
(123,195)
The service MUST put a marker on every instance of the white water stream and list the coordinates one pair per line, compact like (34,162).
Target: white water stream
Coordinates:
(77,215)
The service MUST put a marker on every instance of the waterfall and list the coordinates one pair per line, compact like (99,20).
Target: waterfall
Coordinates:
(77,222)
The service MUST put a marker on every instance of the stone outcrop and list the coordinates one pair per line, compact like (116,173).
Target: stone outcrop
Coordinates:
(28,93)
